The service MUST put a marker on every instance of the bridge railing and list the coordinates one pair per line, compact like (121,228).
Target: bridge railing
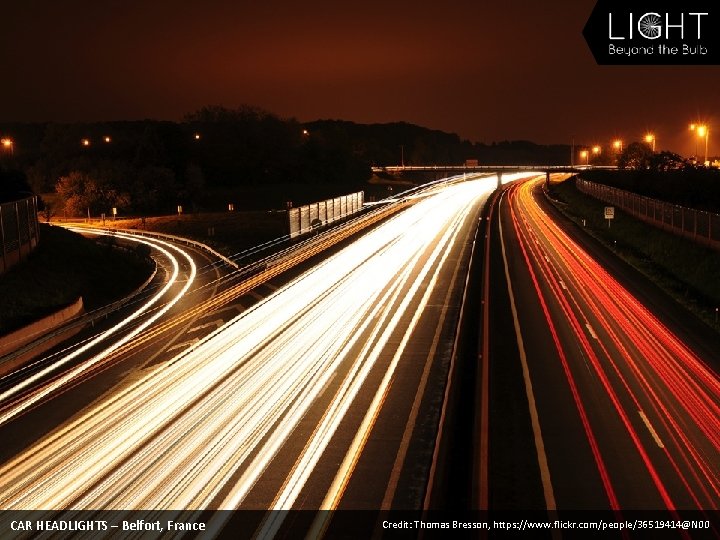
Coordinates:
(696,225)
(486,168)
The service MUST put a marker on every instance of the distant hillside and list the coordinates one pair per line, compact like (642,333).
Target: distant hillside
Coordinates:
(389,144)
(13,185)
(149,166)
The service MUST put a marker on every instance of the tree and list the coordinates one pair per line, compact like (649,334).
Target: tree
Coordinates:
(667,161)
(154,189)
(13,185)
(82,193)
(637,156)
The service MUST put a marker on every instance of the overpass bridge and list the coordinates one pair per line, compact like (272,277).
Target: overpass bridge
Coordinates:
(491,169)
(484,168)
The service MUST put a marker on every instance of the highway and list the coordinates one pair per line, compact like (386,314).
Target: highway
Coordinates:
(616,410)
(323,394)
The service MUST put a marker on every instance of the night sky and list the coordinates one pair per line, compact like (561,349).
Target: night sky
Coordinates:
(487,70)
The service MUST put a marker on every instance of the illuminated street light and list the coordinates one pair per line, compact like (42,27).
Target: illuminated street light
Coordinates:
(8,143)
(650,139)
(85,142)
(305,132)
(704,131)
(584,154)
(693,128)
(197,136)
(618,145)
(596,150)
(107,139)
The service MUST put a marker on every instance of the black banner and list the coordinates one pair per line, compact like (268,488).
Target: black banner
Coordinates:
(654,32)
(360,525)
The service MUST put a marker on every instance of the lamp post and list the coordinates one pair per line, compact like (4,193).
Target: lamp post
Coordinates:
(618,145)
(8,143)
(693,128)
(704,131)
(584,154)
(650,139)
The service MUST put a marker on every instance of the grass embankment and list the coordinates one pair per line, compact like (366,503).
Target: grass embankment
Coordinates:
(686,270)
(227,232)
(66,265)
(259,216)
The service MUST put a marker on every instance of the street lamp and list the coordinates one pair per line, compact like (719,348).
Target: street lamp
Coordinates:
(596,150)
(693,128)
(650,139)
(704,131)
(618,145)
(7,143)
(584,154)
(85,142)
(197,136)
(107,138)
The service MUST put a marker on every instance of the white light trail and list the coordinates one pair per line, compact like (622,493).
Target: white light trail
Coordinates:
(72,374)
(199,430)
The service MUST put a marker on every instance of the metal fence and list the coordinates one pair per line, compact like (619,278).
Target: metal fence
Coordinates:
(697,225)
(311,216)
(18,231)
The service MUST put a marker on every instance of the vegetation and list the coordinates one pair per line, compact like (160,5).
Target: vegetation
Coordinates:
(64,266)
(150,167)
(391,144)
(13,185)
(687,271)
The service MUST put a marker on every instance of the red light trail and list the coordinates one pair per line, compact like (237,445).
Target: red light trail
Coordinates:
(662,394)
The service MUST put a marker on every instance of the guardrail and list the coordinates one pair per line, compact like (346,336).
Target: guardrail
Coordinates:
(696,225)
(177,239)
(18,231)
(488,168)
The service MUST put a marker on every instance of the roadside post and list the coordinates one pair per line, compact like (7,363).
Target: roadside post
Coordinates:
(609,214)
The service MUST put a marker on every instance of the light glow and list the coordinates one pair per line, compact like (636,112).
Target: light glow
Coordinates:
(176,433)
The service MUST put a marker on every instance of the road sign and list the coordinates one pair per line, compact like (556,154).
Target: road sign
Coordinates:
(609,214)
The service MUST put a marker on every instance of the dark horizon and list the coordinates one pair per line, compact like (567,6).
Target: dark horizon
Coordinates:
(487,72)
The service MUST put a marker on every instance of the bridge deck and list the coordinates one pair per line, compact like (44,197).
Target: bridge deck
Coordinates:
(486,168)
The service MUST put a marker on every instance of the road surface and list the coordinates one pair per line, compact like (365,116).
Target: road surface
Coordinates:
(616,410)
(324,394)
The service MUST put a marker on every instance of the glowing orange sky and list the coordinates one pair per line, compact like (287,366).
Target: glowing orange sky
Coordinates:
(487,70)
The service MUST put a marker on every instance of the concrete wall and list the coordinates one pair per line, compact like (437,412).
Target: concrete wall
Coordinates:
(19,338)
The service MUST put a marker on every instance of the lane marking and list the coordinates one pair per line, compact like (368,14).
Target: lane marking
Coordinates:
(592,332)
(562,284)
(651,429)
(217,323)
(415,410)
(534,417)
(183,345)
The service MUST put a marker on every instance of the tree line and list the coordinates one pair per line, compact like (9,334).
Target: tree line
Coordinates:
(151,166)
